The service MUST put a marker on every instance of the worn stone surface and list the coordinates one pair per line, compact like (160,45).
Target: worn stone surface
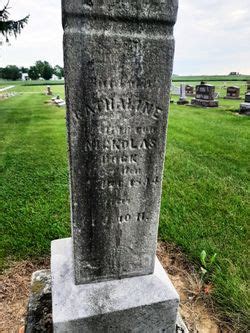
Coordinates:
(40,317)
(139,304)
(39,314)
(205,96)
(118,66)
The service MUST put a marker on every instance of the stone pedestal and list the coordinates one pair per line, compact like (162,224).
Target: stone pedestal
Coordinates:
(182,101)
(138,304)
(204,103)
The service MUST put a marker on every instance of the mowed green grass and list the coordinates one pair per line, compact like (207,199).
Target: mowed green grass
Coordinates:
(33,166)
(204,203)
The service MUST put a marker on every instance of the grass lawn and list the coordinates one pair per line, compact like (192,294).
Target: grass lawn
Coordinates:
(34,185)
(204,205)
(205,196)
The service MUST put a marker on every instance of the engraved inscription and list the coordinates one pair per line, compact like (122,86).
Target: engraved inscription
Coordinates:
(118,59)
(118,145)
(126,107)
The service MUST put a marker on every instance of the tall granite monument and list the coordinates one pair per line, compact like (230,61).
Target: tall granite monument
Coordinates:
(118,65)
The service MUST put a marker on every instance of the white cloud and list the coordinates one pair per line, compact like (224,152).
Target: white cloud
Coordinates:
(41,39)
(212,36)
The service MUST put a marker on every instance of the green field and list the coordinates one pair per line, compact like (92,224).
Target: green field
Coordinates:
(211,78)
(204,204)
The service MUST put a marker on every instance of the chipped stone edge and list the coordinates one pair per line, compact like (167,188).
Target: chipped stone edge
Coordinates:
(180,325)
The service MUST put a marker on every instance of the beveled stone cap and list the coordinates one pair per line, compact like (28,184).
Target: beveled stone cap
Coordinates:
(157,10)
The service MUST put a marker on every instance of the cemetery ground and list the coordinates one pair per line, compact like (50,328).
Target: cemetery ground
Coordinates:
(204,201)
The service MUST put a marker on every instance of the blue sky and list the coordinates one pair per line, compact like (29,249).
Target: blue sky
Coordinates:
(212,36)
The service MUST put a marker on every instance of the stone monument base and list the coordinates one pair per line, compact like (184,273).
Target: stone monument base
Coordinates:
(182,102)
(230,97)
(145,304)
(245,108)
(205,103)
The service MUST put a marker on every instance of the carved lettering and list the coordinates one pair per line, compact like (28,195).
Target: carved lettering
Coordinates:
(125,106)
(118,144)
(115,159)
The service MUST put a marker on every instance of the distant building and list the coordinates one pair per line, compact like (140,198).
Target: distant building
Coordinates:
(54,77)
(25,77)
(234,73)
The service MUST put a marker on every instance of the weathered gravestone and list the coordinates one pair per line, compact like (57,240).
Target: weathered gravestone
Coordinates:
(189,90)
(205,96)
(233,93)
(248,86)
(247,97)
(118,66)
(182,100)
(48,91)
(245,107)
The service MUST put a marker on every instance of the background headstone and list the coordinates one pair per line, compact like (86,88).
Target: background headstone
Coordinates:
(233,93)
(247,97)
(245,107)
(248,86)
(182,100)
(205,96)
(48,92)
(189,90)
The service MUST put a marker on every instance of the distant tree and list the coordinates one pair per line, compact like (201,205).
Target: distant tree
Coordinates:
(39,66)
(24,69)
(44,69)
(47,72)
(59,71)
(10,27)
(33,73)
(11,72)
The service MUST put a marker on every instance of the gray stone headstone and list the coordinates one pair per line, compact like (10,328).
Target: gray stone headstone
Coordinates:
(118,67)
(182,91)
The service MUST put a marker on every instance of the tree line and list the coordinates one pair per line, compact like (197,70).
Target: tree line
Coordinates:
(41,69)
